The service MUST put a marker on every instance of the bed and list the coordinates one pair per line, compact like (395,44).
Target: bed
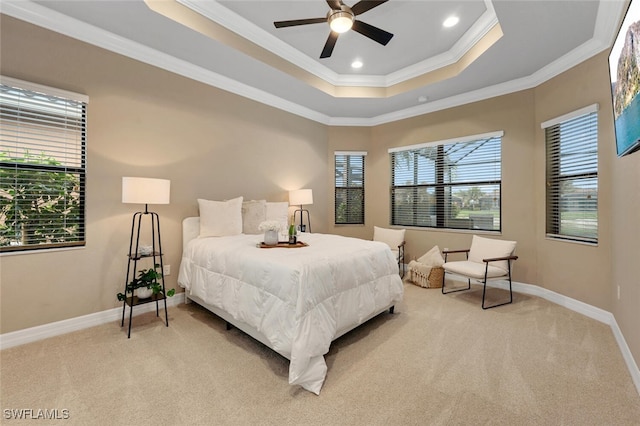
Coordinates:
(294,300)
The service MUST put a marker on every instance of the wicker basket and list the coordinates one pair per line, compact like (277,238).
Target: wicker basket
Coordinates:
(434,280)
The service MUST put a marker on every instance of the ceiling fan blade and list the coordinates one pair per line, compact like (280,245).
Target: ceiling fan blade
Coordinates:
(334,4)
(374,33)
(328,46)
(364,5)
(295,22)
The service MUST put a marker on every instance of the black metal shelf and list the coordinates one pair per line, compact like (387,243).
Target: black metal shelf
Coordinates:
(138,256)
(135,300)
(134,256)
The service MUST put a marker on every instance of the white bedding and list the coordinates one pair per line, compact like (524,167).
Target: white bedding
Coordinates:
(299,298)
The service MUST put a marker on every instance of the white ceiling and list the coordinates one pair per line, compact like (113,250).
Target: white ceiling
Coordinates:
(281,67)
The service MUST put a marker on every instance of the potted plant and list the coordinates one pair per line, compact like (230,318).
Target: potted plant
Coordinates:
(146,279)
(270,229)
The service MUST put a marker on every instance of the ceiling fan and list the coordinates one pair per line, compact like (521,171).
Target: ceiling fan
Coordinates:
(342,18)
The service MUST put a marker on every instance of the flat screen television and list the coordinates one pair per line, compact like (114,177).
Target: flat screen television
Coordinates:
(624,70)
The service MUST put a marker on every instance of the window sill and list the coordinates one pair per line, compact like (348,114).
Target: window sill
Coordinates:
(39,251)
(570,241)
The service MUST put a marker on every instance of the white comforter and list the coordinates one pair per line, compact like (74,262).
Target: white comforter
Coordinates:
(299,298)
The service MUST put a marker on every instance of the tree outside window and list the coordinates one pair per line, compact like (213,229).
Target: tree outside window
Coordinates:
(449,184)
(42,170)
(349,188)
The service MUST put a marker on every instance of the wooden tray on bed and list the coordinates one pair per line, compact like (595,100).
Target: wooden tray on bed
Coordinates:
(284,244)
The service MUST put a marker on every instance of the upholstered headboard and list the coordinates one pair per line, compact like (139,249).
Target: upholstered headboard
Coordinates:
(190,230)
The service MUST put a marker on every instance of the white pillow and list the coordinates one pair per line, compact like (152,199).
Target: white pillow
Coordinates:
(254,212)
(432,258)
(279,211)
(393,237)
(220,218)
(487,248)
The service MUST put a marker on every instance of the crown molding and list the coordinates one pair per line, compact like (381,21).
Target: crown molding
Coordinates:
(610,14)
(215,12)
(487,21)
(246,29)
(60,23)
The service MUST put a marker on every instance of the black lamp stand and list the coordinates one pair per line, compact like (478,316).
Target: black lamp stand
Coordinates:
(302,225)
(135,255)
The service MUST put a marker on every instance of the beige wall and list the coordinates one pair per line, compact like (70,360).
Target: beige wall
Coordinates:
(626,249)
(576,270)
(513,114)
(211,144)
(586,273)
(143,121)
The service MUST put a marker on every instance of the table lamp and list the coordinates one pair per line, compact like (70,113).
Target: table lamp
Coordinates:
(301,197)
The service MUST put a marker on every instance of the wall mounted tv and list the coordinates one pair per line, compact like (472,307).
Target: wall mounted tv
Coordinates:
(624,69)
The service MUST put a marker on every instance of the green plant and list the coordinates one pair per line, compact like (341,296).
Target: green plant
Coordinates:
(146,278)
(40,201)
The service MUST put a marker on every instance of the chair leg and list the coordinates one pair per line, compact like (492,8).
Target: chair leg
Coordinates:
(499,304)
(453,291)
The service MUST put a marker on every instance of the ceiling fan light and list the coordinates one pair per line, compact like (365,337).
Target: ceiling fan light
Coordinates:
(341,22)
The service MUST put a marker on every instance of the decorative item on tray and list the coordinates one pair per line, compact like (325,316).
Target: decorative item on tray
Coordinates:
(270,229)
(283,244)
(292,234)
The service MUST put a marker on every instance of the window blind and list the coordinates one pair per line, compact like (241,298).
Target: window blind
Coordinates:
(42,169)
(454,185)
(572,178)
(349,188)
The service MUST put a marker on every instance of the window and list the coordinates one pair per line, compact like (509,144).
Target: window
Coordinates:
(572,175)
(349,191)
(453,184)
(42,167)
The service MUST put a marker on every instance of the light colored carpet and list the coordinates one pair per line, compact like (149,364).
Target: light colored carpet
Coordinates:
(439,360)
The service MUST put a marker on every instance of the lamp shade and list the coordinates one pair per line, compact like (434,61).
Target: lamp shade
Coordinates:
(301,197)
(139,190)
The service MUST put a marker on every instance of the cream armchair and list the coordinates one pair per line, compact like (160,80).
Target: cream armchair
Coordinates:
(394,238)
(487,259)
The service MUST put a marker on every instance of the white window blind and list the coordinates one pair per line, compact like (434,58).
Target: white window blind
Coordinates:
(572,177)
(349,188)
(42,168)
(450,184)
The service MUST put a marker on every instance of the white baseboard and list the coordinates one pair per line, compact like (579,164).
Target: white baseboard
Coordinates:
(582,308)
(33,334)
(40,332)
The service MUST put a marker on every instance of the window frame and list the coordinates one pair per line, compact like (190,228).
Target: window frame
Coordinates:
(349,188)
(59,158)
(443,190)
(554,178)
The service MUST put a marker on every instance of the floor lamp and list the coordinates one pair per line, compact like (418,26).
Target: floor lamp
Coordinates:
(137,190)
(301,197)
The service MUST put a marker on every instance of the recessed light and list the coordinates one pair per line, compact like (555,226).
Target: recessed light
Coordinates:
(356,64)
(450,21)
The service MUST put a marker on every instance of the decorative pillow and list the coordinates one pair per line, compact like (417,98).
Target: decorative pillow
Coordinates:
(392,237)
(220,218)
(432,258)
(279,211)
(254,212)
(486,248)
